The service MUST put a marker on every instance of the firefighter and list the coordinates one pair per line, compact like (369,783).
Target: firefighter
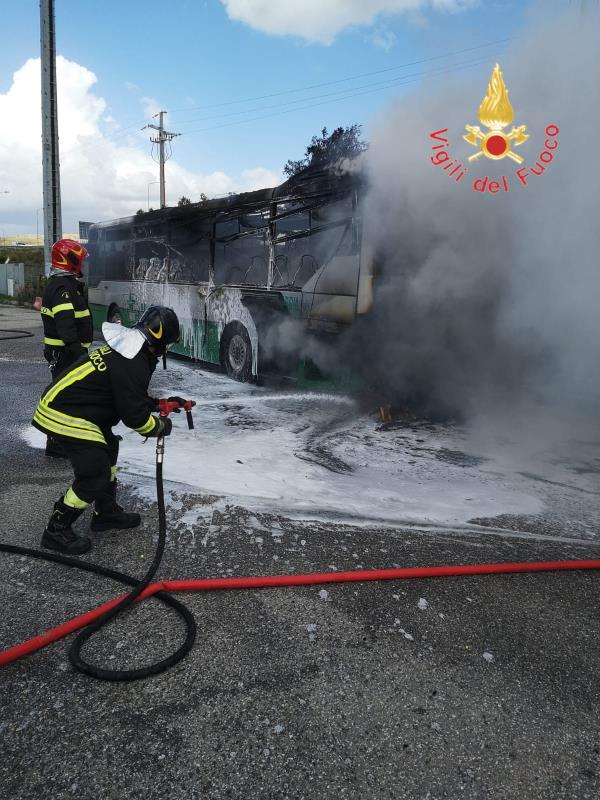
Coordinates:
(68,327)
(80,407)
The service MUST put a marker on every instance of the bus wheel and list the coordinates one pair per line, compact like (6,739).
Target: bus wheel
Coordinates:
(236,352)
(114,314)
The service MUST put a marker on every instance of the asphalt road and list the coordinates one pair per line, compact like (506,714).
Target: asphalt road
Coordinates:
(488,689)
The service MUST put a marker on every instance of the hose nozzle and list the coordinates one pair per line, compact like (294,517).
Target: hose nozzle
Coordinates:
(174,405)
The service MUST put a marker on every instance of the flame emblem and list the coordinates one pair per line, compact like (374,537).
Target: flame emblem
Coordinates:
(495,113)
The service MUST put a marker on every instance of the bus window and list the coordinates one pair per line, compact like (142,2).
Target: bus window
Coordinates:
(94,264)
(149,260)
(242,251)
(114,251)
(333,231)
(292,230)
(189,250)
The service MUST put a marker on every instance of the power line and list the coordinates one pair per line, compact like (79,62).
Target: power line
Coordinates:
(382,84)
(391,85)
(124,131)
(349,78)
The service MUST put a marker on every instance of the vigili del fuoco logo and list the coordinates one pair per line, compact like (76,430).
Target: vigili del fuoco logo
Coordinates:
(495,114)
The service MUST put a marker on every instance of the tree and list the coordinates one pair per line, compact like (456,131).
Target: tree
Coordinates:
(329,148)
(139,211)
(203,197)
(184,201)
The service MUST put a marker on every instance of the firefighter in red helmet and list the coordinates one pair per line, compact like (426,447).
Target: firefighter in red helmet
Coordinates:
(68,327)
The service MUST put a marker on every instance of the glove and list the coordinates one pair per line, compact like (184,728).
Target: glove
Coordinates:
(49,354)
(176,399)
(75,350)
(153,403)
(164,427)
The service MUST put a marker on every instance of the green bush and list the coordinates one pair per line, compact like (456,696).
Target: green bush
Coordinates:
(28,293)
(32,256)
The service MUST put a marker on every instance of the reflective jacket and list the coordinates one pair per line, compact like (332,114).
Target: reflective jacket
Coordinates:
(65,313)
(99,390)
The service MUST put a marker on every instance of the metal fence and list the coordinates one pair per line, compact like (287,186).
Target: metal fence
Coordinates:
(12,278)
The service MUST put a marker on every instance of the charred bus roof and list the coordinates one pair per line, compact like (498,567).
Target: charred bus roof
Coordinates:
(323,181)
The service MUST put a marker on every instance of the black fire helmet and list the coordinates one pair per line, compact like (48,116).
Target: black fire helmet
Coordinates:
(159,326)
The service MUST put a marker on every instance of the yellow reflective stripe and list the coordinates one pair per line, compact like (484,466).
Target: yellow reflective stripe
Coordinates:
(56,421)
(113,472)
(60,343)
(66,419)
(148,426)
(73,501)
(71,433)
(63,307)
(42,416)
(50,312)
(70,378)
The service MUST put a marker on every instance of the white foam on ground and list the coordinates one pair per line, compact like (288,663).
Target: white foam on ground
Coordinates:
(250,445)
(33,437)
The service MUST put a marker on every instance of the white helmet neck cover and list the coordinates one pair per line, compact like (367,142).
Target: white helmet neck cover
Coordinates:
(126,341)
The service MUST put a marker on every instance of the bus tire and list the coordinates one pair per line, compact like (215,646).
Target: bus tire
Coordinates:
(236,352)
(114,314)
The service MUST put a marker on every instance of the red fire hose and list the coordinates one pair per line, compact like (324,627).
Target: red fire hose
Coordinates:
(263,582)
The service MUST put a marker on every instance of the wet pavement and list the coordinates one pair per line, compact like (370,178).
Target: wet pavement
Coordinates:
(464,687)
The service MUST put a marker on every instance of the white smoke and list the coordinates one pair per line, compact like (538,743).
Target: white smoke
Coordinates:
(492,298)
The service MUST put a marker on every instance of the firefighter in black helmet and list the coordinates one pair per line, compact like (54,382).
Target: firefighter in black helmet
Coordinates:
(81,406)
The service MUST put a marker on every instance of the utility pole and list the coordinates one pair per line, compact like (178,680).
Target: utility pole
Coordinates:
(163,136)
(50,158)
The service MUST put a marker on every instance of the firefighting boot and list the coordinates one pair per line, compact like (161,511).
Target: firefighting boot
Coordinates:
(60,536)
(108,514)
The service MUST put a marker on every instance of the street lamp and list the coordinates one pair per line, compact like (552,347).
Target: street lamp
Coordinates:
(149,185)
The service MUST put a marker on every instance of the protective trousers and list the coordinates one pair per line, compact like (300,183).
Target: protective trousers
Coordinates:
(94,466)
(58,359)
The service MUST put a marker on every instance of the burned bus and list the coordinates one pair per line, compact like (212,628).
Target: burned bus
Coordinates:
(237,268)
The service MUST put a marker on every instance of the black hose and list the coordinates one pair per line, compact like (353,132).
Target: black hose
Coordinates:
(75,651)
(22,334)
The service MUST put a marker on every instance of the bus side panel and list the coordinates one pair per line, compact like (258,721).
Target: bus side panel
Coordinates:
(200,336)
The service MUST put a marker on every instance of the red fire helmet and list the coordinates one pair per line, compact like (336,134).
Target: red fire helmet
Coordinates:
(69,255)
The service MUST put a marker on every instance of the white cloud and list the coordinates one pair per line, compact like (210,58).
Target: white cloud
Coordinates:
(321,20)
(383,38)
(151,106)
(100,178)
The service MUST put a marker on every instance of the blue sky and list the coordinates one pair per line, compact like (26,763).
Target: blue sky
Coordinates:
(190,58)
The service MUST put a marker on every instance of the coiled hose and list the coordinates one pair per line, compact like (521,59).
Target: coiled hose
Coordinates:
(98,621)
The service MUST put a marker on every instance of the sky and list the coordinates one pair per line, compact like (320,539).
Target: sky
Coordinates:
(246,83)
